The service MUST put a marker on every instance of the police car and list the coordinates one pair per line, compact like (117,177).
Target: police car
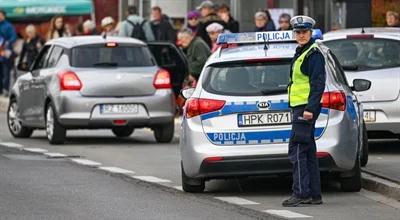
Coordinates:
(237,121)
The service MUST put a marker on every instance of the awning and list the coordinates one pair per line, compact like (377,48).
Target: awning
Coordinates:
(17,9)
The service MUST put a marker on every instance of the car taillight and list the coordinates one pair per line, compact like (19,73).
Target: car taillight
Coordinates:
(69,81)
(162,80)
(334,100)
(196,106)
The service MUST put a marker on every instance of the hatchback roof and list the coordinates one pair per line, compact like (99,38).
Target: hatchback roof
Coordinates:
(390,32)
(70,42)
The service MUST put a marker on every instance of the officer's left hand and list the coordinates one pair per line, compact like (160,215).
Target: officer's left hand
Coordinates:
(307,115)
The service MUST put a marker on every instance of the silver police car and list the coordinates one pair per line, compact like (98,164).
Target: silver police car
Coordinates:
(237,121)
(373,54)
(95,82)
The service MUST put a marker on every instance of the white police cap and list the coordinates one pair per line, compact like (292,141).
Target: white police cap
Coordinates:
(302,22)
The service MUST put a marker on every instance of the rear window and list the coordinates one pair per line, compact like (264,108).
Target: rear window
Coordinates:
(244,78)
(366,54)
(119,56)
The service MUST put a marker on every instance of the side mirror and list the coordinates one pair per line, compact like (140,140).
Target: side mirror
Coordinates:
(360,85)
(187,93)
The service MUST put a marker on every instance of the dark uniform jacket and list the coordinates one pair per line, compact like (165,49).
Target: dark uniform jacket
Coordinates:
(314,67)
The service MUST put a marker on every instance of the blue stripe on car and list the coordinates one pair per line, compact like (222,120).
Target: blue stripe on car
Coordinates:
(255,137)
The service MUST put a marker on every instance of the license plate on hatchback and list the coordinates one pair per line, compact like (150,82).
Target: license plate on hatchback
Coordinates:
(369,116)
(264,119)
(119,109)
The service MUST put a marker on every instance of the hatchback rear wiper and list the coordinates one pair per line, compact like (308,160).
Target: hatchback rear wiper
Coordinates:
(105,64)
(273,91)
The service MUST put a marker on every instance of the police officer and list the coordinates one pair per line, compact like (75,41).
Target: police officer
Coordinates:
(307,84)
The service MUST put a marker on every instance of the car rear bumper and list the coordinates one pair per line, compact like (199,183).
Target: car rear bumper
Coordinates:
(251,166)
(387,116)
(76,111)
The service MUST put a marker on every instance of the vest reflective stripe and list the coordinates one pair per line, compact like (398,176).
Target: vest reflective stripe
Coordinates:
(299,89)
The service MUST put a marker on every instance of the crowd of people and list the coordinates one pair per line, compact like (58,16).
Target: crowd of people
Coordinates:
(197,39)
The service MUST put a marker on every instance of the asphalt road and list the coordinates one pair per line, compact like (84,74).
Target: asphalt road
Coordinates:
(160,163)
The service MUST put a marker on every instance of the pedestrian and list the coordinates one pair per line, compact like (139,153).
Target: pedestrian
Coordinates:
(392,19)
(307,84)
(261,22)
(224,12)
(213,31)
(193,20)
(108,25)
(284,22)
(30,49)
(207,11)
(136,26)
(8,37)
(57,28)
(161,27)
(197,52)
(89,28)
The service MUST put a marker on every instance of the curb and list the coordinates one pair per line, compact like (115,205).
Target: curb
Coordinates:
(379,185)
(3,104)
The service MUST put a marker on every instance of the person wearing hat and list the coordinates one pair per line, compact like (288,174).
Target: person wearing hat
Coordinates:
(209,16)
(193,21)
(213,31)
(306,87)
(108,25)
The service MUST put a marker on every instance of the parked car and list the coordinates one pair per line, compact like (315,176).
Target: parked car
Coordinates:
(95,82)
(237,121)
(372,54)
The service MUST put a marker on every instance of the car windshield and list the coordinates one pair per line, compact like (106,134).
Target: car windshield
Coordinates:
(247,78)
(366,54)
(119,56)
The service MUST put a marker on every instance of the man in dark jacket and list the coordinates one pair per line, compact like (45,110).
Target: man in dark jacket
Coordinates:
(307,85)
(224,13)
(207,11)
(161,27)
(197,52)
(9,36)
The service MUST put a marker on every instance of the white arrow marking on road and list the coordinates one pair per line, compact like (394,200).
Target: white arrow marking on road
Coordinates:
(35,150)
(116,170)
(152,179)
(236,200)
(55,155)
(12,145)
(287,214)
(86,162)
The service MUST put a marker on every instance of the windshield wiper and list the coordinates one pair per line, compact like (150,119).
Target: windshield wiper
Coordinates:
(105,64)
(350,67)
(273,91)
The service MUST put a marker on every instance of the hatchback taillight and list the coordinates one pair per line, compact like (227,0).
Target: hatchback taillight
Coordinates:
(69,81)
(196,106)
(334,100)
(162,80)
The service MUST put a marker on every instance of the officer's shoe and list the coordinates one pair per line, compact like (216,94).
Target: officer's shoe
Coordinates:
(294,201)
(316,201)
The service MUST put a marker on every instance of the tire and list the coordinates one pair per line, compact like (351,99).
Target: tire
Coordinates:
(14,123)
(164,133)
(352,183)
(122,131)
(55,132)
(364,148)
(191,185)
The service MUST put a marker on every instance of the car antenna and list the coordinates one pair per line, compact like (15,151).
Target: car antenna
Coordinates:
(266,44)
(362,30)
(105,35)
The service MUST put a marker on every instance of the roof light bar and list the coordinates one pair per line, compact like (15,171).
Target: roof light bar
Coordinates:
(261,37)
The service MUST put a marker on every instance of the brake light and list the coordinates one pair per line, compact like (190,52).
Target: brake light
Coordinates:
(360,36)
(111,44)
(69,81)
(334,100)
(323,154)
(213,159)
(262,60)
(196,106)
(162,80)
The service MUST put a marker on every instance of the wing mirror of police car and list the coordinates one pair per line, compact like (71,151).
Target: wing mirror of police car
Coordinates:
(360,85)
(186,93)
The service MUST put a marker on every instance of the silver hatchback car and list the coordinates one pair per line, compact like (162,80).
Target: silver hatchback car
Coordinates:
(373,54)
(237,121)
(94,82)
